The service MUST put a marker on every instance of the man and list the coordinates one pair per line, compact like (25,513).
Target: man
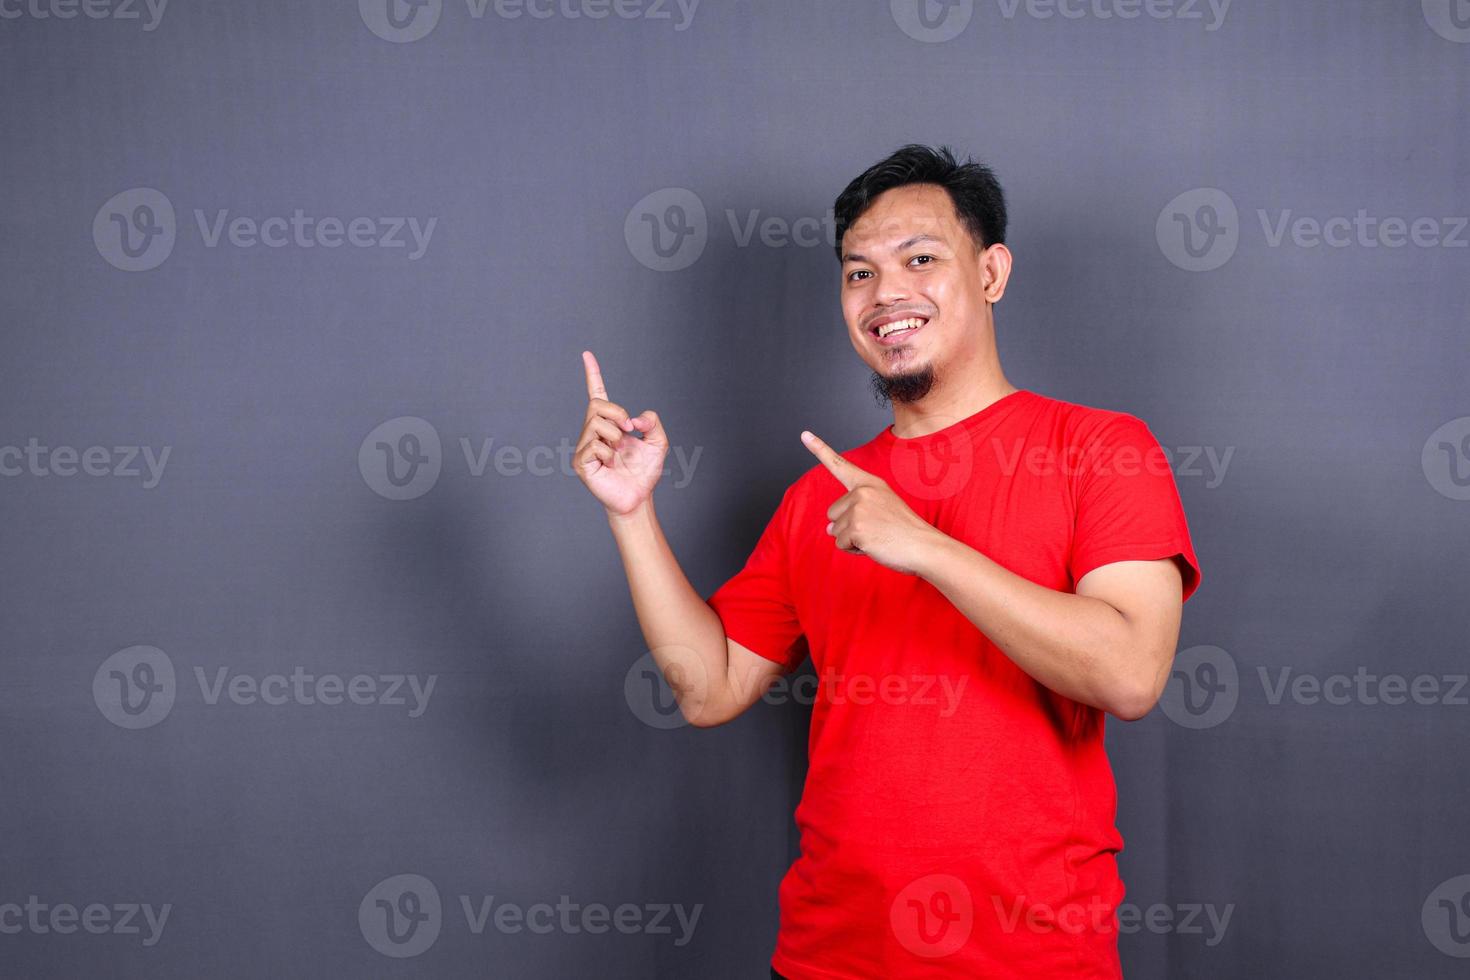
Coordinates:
(978,586)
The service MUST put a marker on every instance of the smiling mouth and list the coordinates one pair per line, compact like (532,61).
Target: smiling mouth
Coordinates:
(897,330)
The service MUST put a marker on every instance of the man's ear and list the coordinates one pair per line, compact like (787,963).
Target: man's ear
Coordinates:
(995,271)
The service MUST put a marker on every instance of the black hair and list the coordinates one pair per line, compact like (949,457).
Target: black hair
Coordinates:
(971,185)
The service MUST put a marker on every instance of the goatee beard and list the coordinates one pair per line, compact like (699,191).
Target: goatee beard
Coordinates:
(908,386)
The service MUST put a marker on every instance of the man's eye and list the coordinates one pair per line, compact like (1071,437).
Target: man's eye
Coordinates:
(921,258)
(853,276)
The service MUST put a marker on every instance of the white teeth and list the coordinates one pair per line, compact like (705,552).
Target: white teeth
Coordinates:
(912,323)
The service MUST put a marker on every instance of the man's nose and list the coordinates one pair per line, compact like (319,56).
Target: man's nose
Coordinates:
(891,289)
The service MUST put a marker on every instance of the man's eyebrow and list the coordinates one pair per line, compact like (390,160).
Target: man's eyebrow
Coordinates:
(918,239)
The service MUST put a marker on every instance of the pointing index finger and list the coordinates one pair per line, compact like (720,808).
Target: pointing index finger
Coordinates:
(595,387)
(846,473)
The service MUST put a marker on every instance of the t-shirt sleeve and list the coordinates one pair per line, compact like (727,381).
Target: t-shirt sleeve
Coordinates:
(756,605)
(1127,504)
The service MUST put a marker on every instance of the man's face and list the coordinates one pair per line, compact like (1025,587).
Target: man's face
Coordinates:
(912,293)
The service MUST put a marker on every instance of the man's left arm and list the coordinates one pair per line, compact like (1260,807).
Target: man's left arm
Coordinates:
(1110,644)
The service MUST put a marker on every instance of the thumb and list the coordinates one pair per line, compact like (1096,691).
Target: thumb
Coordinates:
(652,428)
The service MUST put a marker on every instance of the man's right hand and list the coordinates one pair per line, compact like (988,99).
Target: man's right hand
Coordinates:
(618,467)
(714,678)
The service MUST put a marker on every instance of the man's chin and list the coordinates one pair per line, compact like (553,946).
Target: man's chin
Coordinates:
(907,385)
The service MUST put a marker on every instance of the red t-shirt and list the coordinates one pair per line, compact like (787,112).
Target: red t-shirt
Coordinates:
(958,817)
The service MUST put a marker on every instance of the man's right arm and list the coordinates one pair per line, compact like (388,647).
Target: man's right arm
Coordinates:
(713,677)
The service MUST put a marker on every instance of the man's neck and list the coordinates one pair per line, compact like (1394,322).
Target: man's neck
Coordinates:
(950,400)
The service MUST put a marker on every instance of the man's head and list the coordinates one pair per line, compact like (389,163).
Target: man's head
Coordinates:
(921,240)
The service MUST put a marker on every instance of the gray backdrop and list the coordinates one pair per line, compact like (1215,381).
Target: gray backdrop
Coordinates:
(293,295)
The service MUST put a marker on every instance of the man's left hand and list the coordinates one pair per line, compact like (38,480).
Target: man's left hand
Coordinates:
(870,519)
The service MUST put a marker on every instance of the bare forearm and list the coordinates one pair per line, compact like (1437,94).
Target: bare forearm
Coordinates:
(685,635)
(1078,646)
